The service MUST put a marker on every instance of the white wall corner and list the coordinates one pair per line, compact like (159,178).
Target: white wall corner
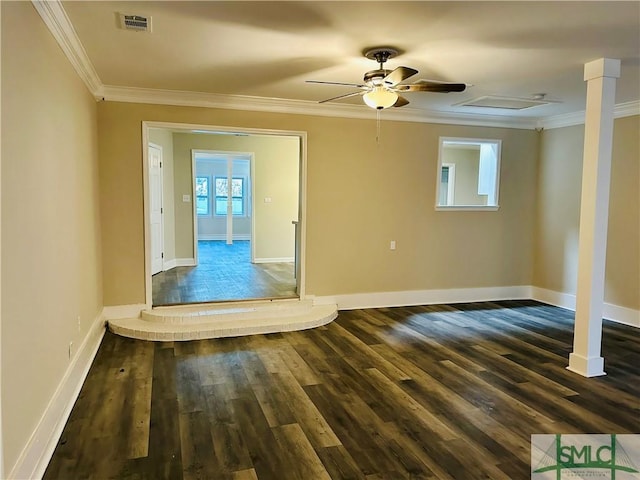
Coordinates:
(115,312)
(615,313)
(58,23)
(36,455)
(169,264)
(619,314)
(186,262)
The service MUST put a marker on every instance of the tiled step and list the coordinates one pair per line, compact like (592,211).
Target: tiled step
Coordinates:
(224,320)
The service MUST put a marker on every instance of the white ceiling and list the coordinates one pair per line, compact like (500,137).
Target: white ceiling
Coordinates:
(268,49)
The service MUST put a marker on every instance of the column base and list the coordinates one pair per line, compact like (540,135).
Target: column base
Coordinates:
(587,367)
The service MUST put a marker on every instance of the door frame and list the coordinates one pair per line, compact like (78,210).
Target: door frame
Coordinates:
(158,147)
(227,154)
(301,239)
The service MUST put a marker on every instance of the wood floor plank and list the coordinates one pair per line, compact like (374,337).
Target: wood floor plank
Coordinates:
(198,459)
(339,464)
(302,460)
(249,474)
(442,392)
(312,422)
(272,401)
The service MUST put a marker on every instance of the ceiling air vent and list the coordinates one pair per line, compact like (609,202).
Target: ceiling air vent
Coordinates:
(138,23)
(506,103)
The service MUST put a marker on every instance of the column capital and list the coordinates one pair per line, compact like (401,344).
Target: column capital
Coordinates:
(603,67)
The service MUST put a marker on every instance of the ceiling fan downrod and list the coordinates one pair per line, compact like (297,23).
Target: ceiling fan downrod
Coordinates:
(381,55)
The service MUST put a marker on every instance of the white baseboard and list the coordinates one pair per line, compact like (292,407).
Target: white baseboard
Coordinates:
(275,260)
(223,236)
(123,311)
(36,455)
(178,262)
(612,312)
(353,301)
(423,297)
(186,262)
(169,264)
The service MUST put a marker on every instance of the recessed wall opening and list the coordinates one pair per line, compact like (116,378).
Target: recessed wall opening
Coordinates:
(468,174)
(232,214)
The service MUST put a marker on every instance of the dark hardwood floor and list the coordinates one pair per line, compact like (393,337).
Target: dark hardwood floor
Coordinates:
(224,273)
(441,392)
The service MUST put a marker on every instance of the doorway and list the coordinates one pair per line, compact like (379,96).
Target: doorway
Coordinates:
(232,211)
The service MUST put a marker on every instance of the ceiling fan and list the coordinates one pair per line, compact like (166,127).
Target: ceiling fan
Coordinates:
(381,87)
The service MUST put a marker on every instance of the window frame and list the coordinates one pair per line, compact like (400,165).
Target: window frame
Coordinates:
(208,196)
(243,197)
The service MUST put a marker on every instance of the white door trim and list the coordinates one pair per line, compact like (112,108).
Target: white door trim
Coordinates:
(161,239)
(186,127)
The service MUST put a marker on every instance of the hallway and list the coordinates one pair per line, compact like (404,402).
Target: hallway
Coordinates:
(224,272)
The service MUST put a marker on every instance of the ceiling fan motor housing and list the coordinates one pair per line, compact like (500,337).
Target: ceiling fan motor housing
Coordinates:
(375,77)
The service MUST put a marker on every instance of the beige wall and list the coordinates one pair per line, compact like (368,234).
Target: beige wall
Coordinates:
(164,138)
(557,220)
(51,265)
(276,160)
(360,194)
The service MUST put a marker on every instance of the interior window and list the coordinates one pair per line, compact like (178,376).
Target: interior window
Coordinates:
(468,174)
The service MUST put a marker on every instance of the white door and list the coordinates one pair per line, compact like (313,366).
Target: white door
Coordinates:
(155,202)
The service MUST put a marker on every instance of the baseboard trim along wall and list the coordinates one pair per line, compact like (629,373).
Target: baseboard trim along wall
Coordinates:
(178,262)
(274,260)
(169,264)
(612,312)
(354,301)
(36,455)
(186,262)
(424,297)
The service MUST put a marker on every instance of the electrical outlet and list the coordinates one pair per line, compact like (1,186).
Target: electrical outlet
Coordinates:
(79,324)
(70,350)
(392,245)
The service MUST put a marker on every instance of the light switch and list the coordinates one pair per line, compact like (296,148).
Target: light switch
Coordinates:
(392,245)
(267,199)
(186,198)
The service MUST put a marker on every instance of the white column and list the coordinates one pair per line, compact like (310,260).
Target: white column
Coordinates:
(229,201)
(600,76)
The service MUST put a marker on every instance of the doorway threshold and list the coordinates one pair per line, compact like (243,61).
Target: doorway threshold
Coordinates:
(203,304)
(224,319)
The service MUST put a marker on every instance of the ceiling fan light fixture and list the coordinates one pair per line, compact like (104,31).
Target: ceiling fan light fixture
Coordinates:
(380,98)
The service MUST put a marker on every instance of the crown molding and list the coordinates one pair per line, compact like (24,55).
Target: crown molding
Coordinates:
(304,107)
(56,19)
(627,109)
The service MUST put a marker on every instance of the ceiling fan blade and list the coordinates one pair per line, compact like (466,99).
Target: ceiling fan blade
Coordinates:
(336,83)
(340,97)
(401,102)
(398,75)
(432,86)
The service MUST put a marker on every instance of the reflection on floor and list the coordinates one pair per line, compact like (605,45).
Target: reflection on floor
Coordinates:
(225,272)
